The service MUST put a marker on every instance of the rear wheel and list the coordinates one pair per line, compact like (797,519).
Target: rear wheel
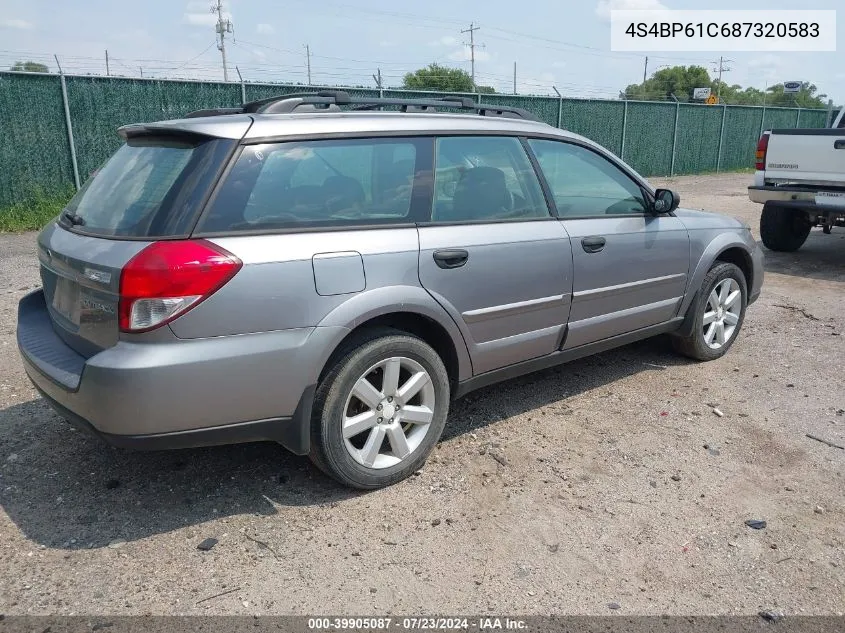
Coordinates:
(719,313)
(782,228)
(380,410)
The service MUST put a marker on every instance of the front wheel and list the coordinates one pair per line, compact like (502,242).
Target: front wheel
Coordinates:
(380,410)
(719,313)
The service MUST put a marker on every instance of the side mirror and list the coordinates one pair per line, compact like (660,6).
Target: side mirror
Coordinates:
(666,201)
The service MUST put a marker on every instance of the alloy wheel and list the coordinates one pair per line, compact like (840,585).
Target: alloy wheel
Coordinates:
(388,412)
(721,313)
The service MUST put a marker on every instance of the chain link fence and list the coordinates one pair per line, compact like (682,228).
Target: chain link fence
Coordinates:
(40,118)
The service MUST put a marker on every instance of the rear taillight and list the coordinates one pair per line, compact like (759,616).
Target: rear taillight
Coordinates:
(762,147)
(166,279)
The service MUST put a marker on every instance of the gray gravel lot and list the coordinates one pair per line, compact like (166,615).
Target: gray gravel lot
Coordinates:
(560,492)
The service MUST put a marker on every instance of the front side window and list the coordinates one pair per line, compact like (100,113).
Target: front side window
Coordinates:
(316,183)
(485,179)
(584,183)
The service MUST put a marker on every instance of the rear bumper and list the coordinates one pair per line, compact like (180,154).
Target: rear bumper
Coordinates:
(791,196)
(181,393)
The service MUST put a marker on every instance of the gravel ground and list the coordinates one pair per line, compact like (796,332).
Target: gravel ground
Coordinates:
(608,480)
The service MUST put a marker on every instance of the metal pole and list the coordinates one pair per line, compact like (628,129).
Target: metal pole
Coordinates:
(243,87)
(675,137)
(559,106)
(107,63)
(514,77)
(762,121)
(624,128)
(829,119)
(69,126)
(721,136)
(798,119)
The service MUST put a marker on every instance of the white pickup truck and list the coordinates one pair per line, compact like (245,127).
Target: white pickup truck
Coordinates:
(800,180)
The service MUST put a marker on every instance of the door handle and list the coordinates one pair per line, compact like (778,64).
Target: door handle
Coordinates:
(593,244)
(840,144)
(451,258)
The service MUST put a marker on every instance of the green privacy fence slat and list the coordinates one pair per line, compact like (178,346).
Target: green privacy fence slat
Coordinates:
(697,146)
(813,118)
(780,118)
(649,132)
(34,146)
(35,151)
(739,139)
(599,121)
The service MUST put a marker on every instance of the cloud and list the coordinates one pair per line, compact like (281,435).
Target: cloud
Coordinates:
(463,55)
(387,44)
(558,64)
(604,7)
(265,29)
(13,23)
(446,40)
(198,13)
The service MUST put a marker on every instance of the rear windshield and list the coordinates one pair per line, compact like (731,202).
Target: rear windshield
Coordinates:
(151,187)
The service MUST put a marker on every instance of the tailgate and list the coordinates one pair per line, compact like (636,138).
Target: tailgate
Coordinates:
(813,157)
(81,279)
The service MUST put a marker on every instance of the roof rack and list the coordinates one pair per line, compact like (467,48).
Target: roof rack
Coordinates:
(331,100)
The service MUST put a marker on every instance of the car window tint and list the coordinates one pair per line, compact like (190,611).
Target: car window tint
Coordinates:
(485,178)
(585,183)
(319,183)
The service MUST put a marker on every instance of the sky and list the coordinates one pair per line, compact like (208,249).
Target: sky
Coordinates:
(560,43)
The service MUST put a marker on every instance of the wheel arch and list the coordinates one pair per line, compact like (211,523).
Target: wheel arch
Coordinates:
(417,313)
(725,248)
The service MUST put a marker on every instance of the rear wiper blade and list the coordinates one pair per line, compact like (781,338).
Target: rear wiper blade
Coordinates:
(74,219)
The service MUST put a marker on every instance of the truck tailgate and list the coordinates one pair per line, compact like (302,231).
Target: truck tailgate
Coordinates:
(812,157)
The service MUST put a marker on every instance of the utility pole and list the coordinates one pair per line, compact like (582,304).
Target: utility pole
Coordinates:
(308,61)
(514,77)
(471,30)
(222,27)
(107,63)
(142,71)
(377,79)
(645,69)
(721,68)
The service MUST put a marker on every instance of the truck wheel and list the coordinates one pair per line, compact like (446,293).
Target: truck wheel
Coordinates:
(782,228)
(719,310)
(379,410)
(827,229)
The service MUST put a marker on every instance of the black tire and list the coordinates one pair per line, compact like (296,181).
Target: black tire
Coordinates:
(695,346)
(328,447)
(827,229)
(783,229)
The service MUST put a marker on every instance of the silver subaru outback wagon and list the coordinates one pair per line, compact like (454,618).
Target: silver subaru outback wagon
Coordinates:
(329,272)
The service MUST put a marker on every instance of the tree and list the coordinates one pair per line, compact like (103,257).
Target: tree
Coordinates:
(677,80)
(30,67)
(680,81)
(442,79)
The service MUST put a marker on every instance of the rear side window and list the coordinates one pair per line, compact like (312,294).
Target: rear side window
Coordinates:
(318,183)
(151,187)
(485,179)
